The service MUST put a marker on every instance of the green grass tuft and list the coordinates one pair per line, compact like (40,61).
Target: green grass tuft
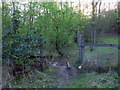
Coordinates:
(95,80)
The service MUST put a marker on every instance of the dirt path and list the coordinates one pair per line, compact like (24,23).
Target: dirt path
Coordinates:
(63,75)
(66,74)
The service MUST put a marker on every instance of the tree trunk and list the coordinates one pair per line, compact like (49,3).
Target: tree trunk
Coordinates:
(93,38)
(57,44)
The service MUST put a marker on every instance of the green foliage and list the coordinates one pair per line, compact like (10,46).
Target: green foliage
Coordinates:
(106,22)
(28,30)
(59,26)
(44,25)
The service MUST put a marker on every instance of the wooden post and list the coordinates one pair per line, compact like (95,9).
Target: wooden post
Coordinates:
(81,47)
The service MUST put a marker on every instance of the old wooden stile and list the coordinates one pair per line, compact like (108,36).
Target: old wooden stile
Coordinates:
(82,44)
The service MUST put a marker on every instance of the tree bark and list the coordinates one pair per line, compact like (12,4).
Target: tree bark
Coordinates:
(57,44)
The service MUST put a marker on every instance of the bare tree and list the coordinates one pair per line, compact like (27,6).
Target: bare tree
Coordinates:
(118,18)
(94,5)
(93,32)
(99,10)
(79,6)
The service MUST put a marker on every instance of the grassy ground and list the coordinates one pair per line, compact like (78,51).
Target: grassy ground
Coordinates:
(109,57)
(103,51)
(95,80)
(35,80)
(49,79)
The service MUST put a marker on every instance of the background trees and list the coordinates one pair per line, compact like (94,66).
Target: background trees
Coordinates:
(38,27)
(35,34)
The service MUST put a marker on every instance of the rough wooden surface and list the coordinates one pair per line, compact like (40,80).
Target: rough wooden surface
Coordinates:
(81,47)
(102,45)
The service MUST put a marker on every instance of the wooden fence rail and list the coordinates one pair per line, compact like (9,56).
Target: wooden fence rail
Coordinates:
(82,44)
(101,45)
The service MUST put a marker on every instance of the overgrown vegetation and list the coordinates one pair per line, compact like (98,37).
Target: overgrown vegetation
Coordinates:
(39,38)
(28,31)
(95,80)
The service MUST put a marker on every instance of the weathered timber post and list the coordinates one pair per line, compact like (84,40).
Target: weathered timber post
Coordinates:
(81,47)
